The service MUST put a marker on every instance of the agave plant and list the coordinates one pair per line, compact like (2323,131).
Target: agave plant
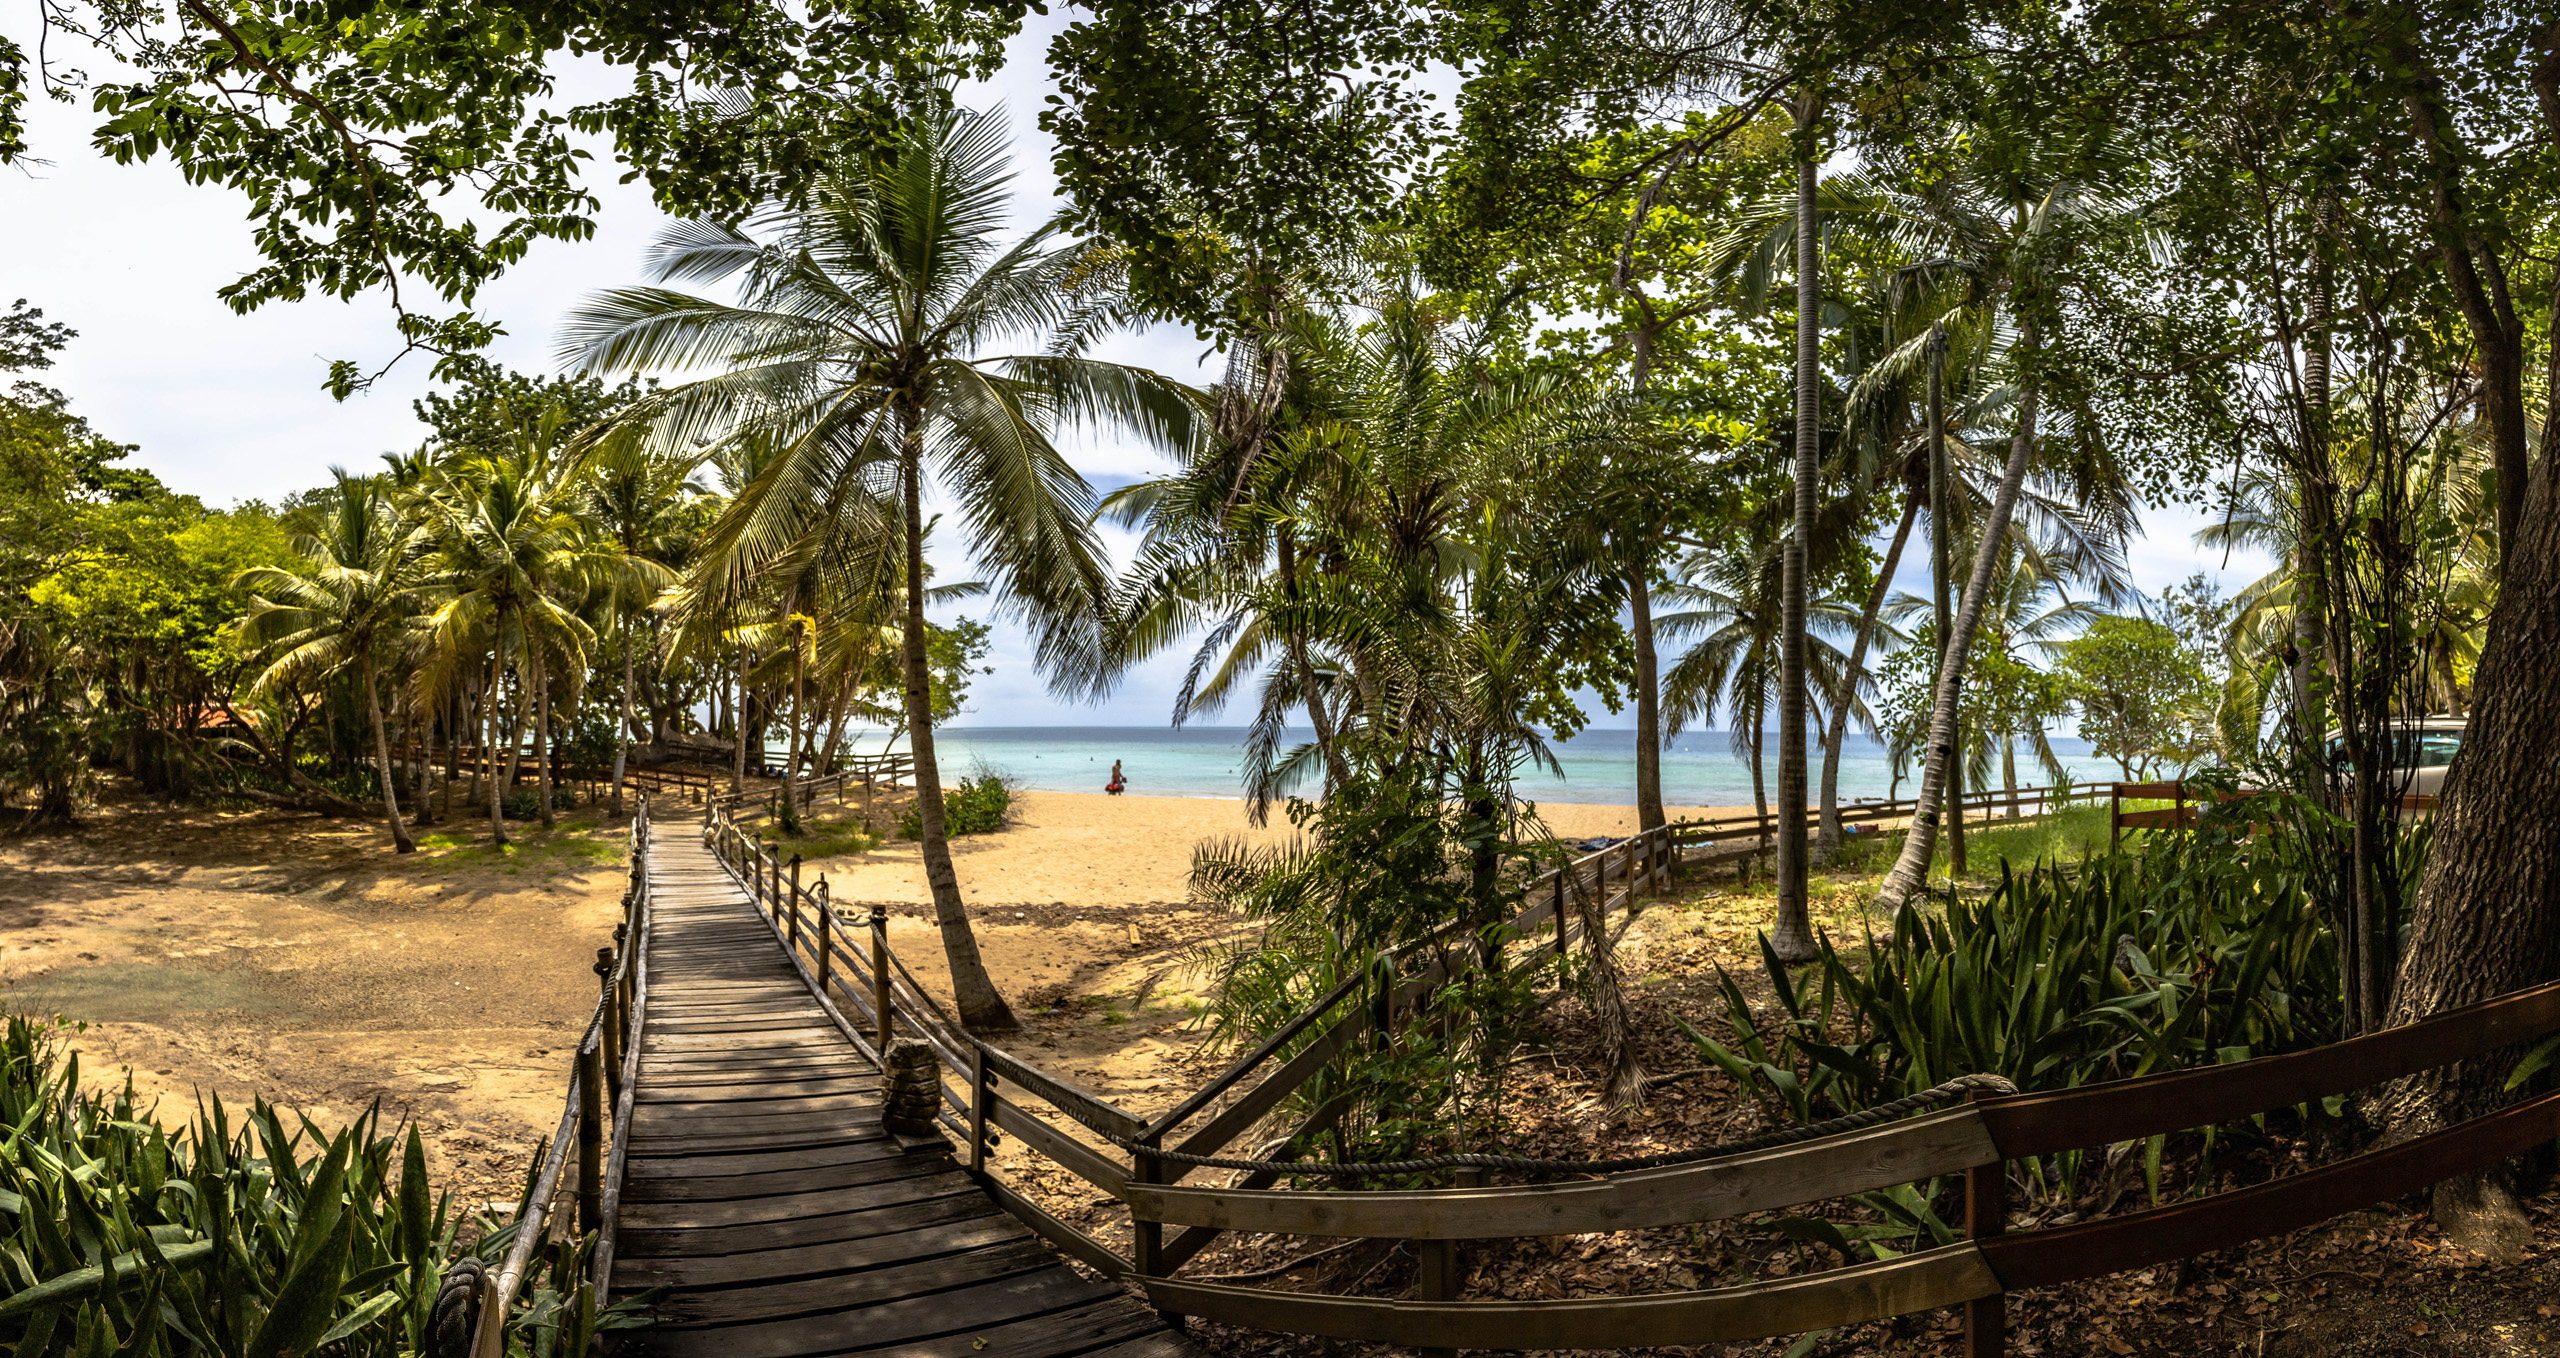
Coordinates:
(251,1241)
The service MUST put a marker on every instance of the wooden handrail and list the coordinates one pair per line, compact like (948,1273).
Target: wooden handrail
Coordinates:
(1843,1296)
(1710,1190)
(2125,1110)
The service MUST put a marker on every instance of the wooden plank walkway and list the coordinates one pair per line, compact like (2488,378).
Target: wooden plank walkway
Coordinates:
(760,1190)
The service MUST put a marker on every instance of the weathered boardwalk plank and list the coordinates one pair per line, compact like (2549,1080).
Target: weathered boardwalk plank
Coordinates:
(762,1197)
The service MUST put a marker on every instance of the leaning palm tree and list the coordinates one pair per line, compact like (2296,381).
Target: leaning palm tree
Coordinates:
(860,363)
(359,596)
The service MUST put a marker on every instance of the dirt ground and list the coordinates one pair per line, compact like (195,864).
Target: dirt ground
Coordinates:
(292,957)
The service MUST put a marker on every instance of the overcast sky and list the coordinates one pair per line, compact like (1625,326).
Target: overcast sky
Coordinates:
(230,407)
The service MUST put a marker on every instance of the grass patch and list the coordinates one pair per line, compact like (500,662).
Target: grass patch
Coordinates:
(827,839)
(2072,835)
(566,846)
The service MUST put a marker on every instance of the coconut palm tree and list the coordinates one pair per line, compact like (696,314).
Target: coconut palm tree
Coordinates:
(1732,601)
(638,501)
(358,600)
(862,359)
(510,552)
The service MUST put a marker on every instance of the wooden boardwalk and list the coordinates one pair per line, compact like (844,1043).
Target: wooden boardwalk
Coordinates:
(761,1192)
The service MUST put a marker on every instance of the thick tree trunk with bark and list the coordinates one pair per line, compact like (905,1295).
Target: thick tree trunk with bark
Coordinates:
(1791,934)
(2487,919)
(400,841)
(1837,738)
(982,1009)
(1912,868)
(1649,813)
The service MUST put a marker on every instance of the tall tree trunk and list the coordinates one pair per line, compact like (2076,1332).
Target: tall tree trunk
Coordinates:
(400,841)
(738,727)
(799,713)
(1941,573)
(489,743)
(2487,919)
(453,746)
(1837,738)
(1649,813)
(1759,788)
(1912,868)
(1791,936)
(981,1008)
(541,730)
(622,731)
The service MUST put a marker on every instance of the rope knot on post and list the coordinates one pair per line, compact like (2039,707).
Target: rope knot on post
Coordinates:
(913,1091)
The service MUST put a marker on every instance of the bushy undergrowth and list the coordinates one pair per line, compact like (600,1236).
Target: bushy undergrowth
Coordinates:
(2195,952)
(972,806)
(242,1241)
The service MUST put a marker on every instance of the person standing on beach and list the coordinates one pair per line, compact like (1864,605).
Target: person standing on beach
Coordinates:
(1117,782)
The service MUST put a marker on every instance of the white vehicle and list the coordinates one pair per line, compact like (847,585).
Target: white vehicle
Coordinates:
(2424,748)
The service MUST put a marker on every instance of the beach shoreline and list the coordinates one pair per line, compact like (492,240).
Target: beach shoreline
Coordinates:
(1093,849)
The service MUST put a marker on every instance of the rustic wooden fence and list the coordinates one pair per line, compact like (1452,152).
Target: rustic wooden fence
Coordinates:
(872,997)
(2185,803)
(581,1165)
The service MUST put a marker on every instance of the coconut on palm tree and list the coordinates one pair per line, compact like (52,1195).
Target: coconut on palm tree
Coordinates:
(886,340)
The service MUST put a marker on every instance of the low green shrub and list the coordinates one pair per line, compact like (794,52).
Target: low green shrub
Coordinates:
(973,806)
(126,1238)
(2186,955)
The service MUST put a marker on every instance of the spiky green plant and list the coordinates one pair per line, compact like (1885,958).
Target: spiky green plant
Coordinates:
(254,1240)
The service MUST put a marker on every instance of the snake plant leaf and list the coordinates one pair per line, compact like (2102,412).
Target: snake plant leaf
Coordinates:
(80,1285)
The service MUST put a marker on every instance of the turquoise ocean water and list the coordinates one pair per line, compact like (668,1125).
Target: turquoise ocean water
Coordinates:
(1699,769)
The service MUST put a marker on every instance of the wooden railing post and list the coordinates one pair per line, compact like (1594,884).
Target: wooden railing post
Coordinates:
(826,917)
(880,972)
(1986,1214)
(609,1032)
(1146,1238)
(981,1084)
(590,1136)
(794,898)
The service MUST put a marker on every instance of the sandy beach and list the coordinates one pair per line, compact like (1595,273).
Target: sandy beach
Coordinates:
(1089,849)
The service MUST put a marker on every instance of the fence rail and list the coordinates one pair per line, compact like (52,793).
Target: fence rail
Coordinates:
(595,1119)
(872,998)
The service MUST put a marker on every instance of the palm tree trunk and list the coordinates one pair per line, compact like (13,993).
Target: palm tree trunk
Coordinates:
(400,841)
(622,732)
(541,728)
(1649,813)
(799,713)
(1759,789)
(1911,869)
(738,723)
(2009,772)
(981,1008)
(1837,737)
(489,742)
(1791,937)
(453,747)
